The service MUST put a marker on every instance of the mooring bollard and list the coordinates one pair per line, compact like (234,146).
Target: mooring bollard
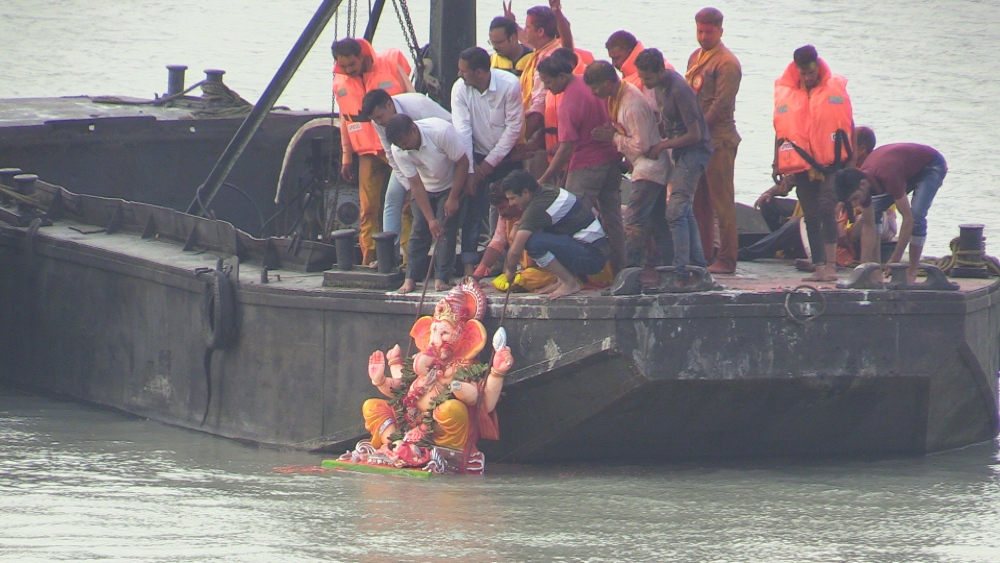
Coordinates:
(7,176)
(385,252)
(970,262)
(25,183)
(7,179)
(214,75)
(175,79)
(343,240)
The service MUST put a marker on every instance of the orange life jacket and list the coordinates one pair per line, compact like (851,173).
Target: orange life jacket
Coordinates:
(813,128)
(583,58)
(349,91)
(630,74)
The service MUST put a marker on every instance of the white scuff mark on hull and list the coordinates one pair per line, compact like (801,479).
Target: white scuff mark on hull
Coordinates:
(159,385)
(552,353)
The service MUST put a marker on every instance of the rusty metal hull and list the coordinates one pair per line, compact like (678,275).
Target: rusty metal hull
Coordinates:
(116,319)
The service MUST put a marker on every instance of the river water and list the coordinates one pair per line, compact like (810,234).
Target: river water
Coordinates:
(81,484)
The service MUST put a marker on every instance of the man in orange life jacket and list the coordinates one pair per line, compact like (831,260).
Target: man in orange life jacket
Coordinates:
(813,124)
(714,74)
(358,70)
(623,48)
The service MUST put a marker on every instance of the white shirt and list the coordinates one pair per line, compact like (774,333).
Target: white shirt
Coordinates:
(489,122)
(434,161)
(414,106)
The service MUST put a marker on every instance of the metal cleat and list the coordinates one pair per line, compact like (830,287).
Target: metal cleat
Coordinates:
(861,277)
(697,279)
(936,279)
(626,283)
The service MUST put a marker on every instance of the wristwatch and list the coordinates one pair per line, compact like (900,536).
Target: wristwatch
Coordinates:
(455,386)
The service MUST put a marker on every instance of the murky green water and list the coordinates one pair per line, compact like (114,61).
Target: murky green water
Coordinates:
(83,484)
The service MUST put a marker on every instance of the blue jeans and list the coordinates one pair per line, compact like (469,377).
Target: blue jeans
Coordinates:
(688,169)
(924,186)
(392,213)
(575,256)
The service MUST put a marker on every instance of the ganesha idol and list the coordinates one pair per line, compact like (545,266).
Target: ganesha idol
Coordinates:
(439,402)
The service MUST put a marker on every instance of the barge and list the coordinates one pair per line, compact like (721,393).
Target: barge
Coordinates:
(117,303)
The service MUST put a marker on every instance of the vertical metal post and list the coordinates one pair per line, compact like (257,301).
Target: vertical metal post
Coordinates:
(373,19)
(175,79)
(205,193)
(453,29)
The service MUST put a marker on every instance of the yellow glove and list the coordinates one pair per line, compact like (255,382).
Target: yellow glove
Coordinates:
(500,282)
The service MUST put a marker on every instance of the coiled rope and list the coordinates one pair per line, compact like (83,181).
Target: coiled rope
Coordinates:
(964,259)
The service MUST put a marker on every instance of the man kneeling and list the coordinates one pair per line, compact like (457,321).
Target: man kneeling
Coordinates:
(559,232)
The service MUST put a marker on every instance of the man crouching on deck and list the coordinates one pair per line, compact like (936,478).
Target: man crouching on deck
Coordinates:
(559,232)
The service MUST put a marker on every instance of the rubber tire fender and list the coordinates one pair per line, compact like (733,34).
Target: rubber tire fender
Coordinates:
(218,312)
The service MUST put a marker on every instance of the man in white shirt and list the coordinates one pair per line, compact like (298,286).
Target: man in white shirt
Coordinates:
(488,114)
(379,106)
(633,130)
(432,158)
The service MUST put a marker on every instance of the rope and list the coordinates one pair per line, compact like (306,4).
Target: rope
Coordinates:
(963,258)
(423,294)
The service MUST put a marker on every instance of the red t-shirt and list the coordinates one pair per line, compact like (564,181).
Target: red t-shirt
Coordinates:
(893,165)
(579,112)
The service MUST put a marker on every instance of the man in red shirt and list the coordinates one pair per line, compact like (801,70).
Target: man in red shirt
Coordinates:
(593,174)
(884,178)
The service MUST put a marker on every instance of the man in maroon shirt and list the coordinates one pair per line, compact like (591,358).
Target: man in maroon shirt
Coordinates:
(593,174)
(884,178)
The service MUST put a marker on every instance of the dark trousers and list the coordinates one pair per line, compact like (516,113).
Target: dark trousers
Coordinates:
(417,259)
(475,210)
(818,200)
(777,211)
(647,233)
(786,239)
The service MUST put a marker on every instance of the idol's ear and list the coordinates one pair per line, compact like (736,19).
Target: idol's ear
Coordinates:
(421,332)
(472,340)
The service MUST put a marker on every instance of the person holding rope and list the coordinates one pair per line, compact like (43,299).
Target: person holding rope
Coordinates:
(487,113)
(380,107)
(433,158)
(560,232)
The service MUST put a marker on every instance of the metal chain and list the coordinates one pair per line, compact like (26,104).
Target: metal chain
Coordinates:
(406,24)
(354,19)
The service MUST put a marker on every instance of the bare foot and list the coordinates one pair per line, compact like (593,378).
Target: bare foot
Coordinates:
(441,285)
(408,286)
(548,288)
(566,289)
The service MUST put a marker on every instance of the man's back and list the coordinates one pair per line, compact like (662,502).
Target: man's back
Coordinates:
(892,165)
